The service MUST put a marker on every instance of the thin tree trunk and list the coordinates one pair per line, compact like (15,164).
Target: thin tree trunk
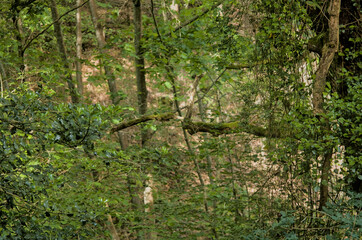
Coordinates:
(142,103)
(63,54)
(134,188)
(2,87)
(4,77)
(19,35)
(78,63)
(328,53)
(20,38)
(140,66)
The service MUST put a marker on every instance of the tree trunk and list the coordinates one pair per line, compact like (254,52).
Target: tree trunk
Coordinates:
(134,188)
(20,38)
(78,63)
(63,54)
(2,87)
(142,107)
(326,167)
(140,66)
(19,35)
(328,53)
(4,77)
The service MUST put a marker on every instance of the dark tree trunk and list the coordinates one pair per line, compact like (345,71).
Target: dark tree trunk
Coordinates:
(19,36)
(140,66)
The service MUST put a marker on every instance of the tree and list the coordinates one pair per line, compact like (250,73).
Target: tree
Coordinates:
(328,51)
(140,65)
(78,63)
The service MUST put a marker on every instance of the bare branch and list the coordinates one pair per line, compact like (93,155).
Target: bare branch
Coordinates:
(155,23)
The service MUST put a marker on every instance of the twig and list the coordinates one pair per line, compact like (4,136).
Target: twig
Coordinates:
(155,22)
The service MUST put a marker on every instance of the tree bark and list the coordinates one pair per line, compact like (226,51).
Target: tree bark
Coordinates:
(78,63)
(139,60)
(16,7)
(19,36)
(63,54)
(142,93)
(328,52)
(326,167)
(140,66)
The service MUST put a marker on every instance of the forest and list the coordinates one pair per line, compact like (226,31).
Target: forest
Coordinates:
(180,119)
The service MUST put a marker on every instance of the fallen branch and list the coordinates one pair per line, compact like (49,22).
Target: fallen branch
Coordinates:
(215,129)
(146,118)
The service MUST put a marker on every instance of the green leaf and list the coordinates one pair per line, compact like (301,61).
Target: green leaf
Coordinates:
(168,85)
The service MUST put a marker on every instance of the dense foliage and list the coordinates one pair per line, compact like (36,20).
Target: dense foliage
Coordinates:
(228,144)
